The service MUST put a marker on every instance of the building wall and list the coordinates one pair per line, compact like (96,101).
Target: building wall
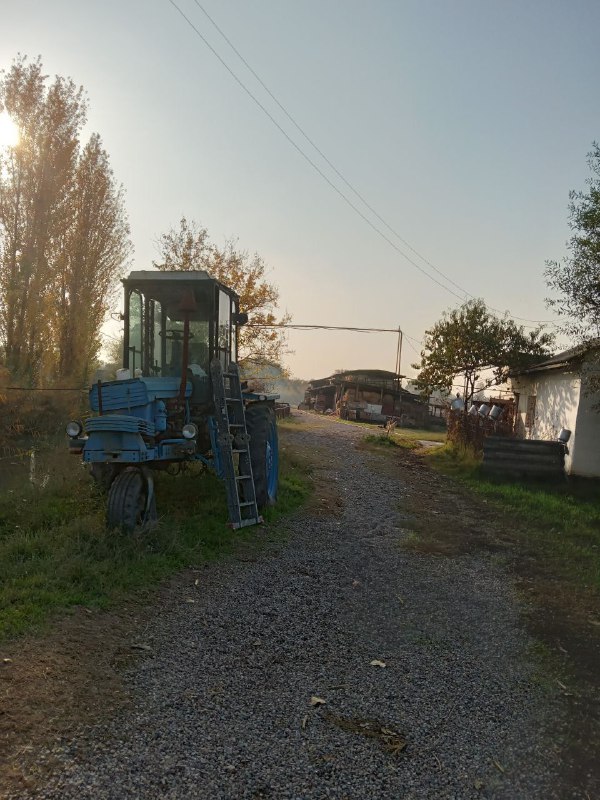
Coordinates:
(563,402)
(557,394)
(585,450)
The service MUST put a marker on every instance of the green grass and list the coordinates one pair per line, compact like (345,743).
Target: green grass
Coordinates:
(436,435)
(55,551)
(420,433)
(389,442)
(558,522)
(562,522)
(460,462)
(407,438)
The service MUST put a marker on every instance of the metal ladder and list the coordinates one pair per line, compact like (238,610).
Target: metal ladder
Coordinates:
(233,440)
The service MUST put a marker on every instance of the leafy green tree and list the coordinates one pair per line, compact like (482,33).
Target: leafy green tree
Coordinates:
(471,345)
(188,248)
(64,236)
(577,277)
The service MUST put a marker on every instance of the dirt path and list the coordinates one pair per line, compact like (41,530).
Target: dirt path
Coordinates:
(341,661)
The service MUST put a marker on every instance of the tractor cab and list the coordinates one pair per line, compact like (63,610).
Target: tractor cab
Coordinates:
(176,324)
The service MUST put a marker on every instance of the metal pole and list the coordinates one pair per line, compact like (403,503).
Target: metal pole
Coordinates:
(399,351)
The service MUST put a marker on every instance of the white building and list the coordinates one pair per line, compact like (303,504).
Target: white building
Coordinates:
(555,394)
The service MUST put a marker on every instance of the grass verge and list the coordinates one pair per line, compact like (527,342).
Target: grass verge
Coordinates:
(558,522)
(386,442)
(56,553)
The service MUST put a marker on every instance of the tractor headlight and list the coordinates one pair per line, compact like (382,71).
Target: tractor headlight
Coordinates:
(189,431)
(74,429)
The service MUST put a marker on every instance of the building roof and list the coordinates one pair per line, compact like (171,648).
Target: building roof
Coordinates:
(369,379)
(358,376)
(559,360)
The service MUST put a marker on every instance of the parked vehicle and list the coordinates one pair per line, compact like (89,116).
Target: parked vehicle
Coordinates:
(179,399)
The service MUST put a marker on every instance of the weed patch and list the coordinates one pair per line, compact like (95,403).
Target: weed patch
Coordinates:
(55,551)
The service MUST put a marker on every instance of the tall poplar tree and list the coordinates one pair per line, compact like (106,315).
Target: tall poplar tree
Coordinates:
(64,237)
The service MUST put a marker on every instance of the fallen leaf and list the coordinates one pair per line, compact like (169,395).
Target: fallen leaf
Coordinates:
(317,701)
(189,600)
(377,663)
(478,784)
(197,582)
(137,646)
(561,684)
(497,765)
(594,621)
(304,722)
(7,660)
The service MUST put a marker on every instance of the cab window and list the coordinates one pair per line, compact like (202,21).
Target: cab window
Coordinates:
(224,329)
(135,331)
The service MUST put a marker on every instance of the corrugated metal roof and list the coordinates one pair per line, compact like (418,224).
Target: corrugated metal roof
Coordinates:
(560,359)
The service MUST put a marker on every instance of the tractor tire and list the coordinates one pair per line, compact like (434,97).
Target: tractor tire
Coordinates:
(127,500)
(264,452)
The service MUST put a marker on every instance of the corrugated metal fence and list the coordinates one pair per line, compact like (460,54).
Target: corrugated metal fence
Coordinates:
(513,458)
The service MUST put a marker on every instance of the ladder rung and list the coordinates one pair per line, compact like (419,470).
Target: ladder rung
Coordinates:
(245,450)
(245,522)
(248,503)
(235,425)
(233,399)
(243,477)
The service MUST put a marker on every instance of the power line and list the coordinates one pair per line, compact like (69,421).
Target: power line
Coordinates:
(300,327)
(331,165)
(321,153)
(309,159)
(412,347)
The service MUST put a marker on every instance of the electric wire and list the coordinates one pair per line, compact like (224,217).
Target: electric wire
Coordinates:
(306,327)
(352,188)
(313,144)
(301,327)
(310,161)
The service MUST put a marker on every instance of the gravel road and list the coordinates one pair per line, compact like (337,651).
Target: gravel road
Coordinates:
(222,700)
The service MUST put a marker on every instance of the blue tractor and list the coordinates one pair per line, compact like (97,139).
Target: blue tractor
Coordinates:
(177,400)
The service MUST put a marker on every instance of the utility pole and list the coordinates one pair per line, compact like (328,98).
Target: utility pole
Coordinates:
(399,352)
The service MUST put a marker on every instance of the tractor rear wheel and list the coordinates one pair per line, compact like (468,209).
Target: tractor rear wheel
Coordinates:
(264,452)
(128,502)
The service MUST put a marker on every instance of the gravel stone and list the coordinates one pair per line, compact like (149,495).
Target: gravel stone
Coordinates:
(222,700)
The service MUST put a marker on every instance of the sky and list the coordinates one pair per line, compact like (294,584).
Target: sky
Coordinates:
(463,124)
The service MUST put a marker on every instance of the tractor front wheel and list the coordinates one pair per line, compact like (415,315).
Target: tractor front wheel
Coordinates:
(264,452)
(128,507)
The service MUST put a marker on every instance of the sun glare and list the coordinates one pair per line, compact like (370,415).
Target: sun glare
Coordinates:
(9,132)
